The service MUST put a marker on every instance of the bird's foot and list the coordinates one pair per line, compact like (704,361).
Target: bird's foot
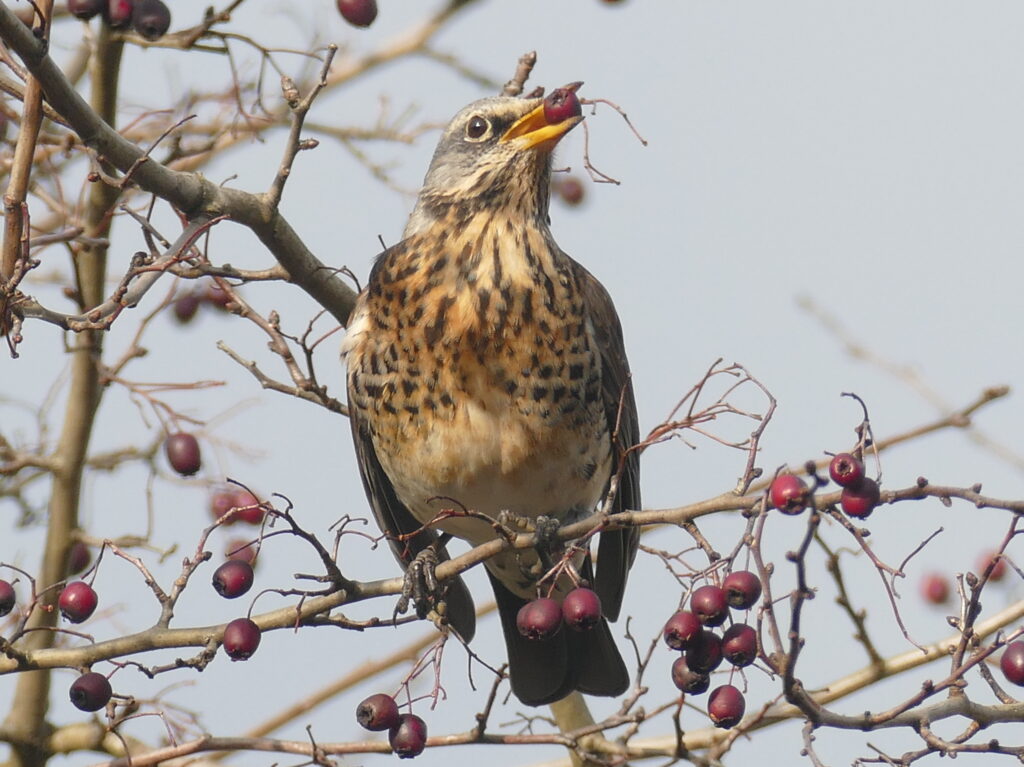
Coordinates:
(421,587)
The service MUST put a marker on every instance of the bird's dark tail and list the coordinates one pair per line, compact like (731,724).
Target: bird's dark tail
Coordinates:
(543,671)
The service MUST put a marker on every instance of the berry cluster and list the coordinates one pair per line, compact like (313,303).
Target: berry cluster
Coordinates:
(150,18)
(542,618)
(186,306)
(790,494)
(407,733)
(702,650)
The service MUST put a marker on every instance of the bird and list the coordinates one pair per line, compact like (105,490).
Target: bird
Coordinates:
(486,372)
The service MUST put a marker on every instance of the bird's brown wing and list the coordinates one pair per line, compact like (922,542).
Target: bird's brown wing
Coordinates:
(617,549)
(395,520)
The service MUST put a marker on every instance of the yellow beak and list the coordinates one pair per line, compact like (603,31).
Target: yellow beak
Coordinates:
(534,130)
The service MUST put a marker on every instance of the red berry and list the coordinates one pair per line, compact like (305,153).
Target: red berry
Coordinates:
(739,644)
(726,706)
(151,18)
(248,505)
(216,297)
(998,569)
(935,589)
(571,190)
(789,494)
(408,738)
(183,453)
(241,638)
(682,629)
(77,601)
(90,692)
(705,654)
(1012,663)
(241,550)
(233,578)
(742,589)
(185,307)
(688,680)
(78,558)
(85,9)
(539,619)
(846,470)
(7,598)
(562,104)
(118,13)
(710,605)
(859,501)
(581,609)
(378,712)
(358,13)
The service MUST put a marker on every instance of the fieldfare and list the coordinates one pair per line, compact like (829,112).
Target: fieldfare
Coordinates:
(486,372)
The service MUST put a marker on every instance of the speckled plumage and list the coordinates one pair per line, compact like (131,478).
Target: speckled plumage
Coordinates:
(486,366)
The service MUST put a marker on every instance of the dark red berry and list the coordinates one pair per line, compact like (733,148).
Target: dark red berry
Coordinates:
(739,644)
(78,558)
(539,619)
(242,550)
(221,502)
(248,505)
(789,494)
(183,453)
(581,609)
(688,680)
(1012,663)
(860,501)
(710,605)
(85,9)
(90,692)
(151,18)
(7,598)
(216,297)
(571,190)
(726,706)
(118,13)
(562,104)
(998,569)
(682,629)
(186,306)
(77,601)
(705,654)
(935,589)
(241,638)
(233,578)
(408,738)
(742,589)
(846,470)
(358,13)
(378,712)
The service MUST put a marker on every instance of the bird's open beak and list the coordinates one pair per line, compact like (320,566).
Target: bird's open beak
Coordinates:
(535,129)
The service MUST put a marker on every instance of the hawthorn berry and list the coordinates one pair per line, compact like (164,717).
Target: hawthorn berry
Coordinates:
(788,493)
(77,601)
(408,738)
(935,589)
(539,619)
(709,603)
(378,712)
(85,9)
(581,609)
(90,692)
(241,638)
(571,191)
(846,470)
(358,13)
(78,558)
(705,654)
(241,550)
(562,104)
(118,13)
(151,18)
(998,569)
(248,505)
(742,589)
(1012,663)
(183,454)
(682,629)
(688,680)
(860,500)
(726,706)
(186,306)
(739,644)
(7,598)
(233,578)
(216,296)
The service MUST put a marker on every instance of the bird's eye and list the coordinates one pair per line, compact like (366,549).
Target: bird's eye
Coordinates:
(477,127)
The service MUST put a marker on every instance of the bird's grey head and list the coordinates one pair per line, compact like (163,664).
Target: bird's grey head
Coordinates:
(494,154)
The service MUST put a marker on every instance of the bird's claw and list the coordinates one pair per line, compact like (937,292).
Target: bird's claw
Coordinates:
(421,586)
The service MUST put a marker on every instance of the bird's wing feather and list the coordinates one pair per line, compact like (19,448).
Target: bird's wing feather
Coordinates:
(617,548)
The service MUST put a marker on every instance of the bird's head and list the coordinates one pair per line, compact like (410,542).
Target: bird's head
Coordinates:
(495,155)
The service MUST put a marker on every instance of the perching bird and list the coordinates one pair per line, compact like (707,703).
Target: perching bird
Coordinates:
(486,372)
